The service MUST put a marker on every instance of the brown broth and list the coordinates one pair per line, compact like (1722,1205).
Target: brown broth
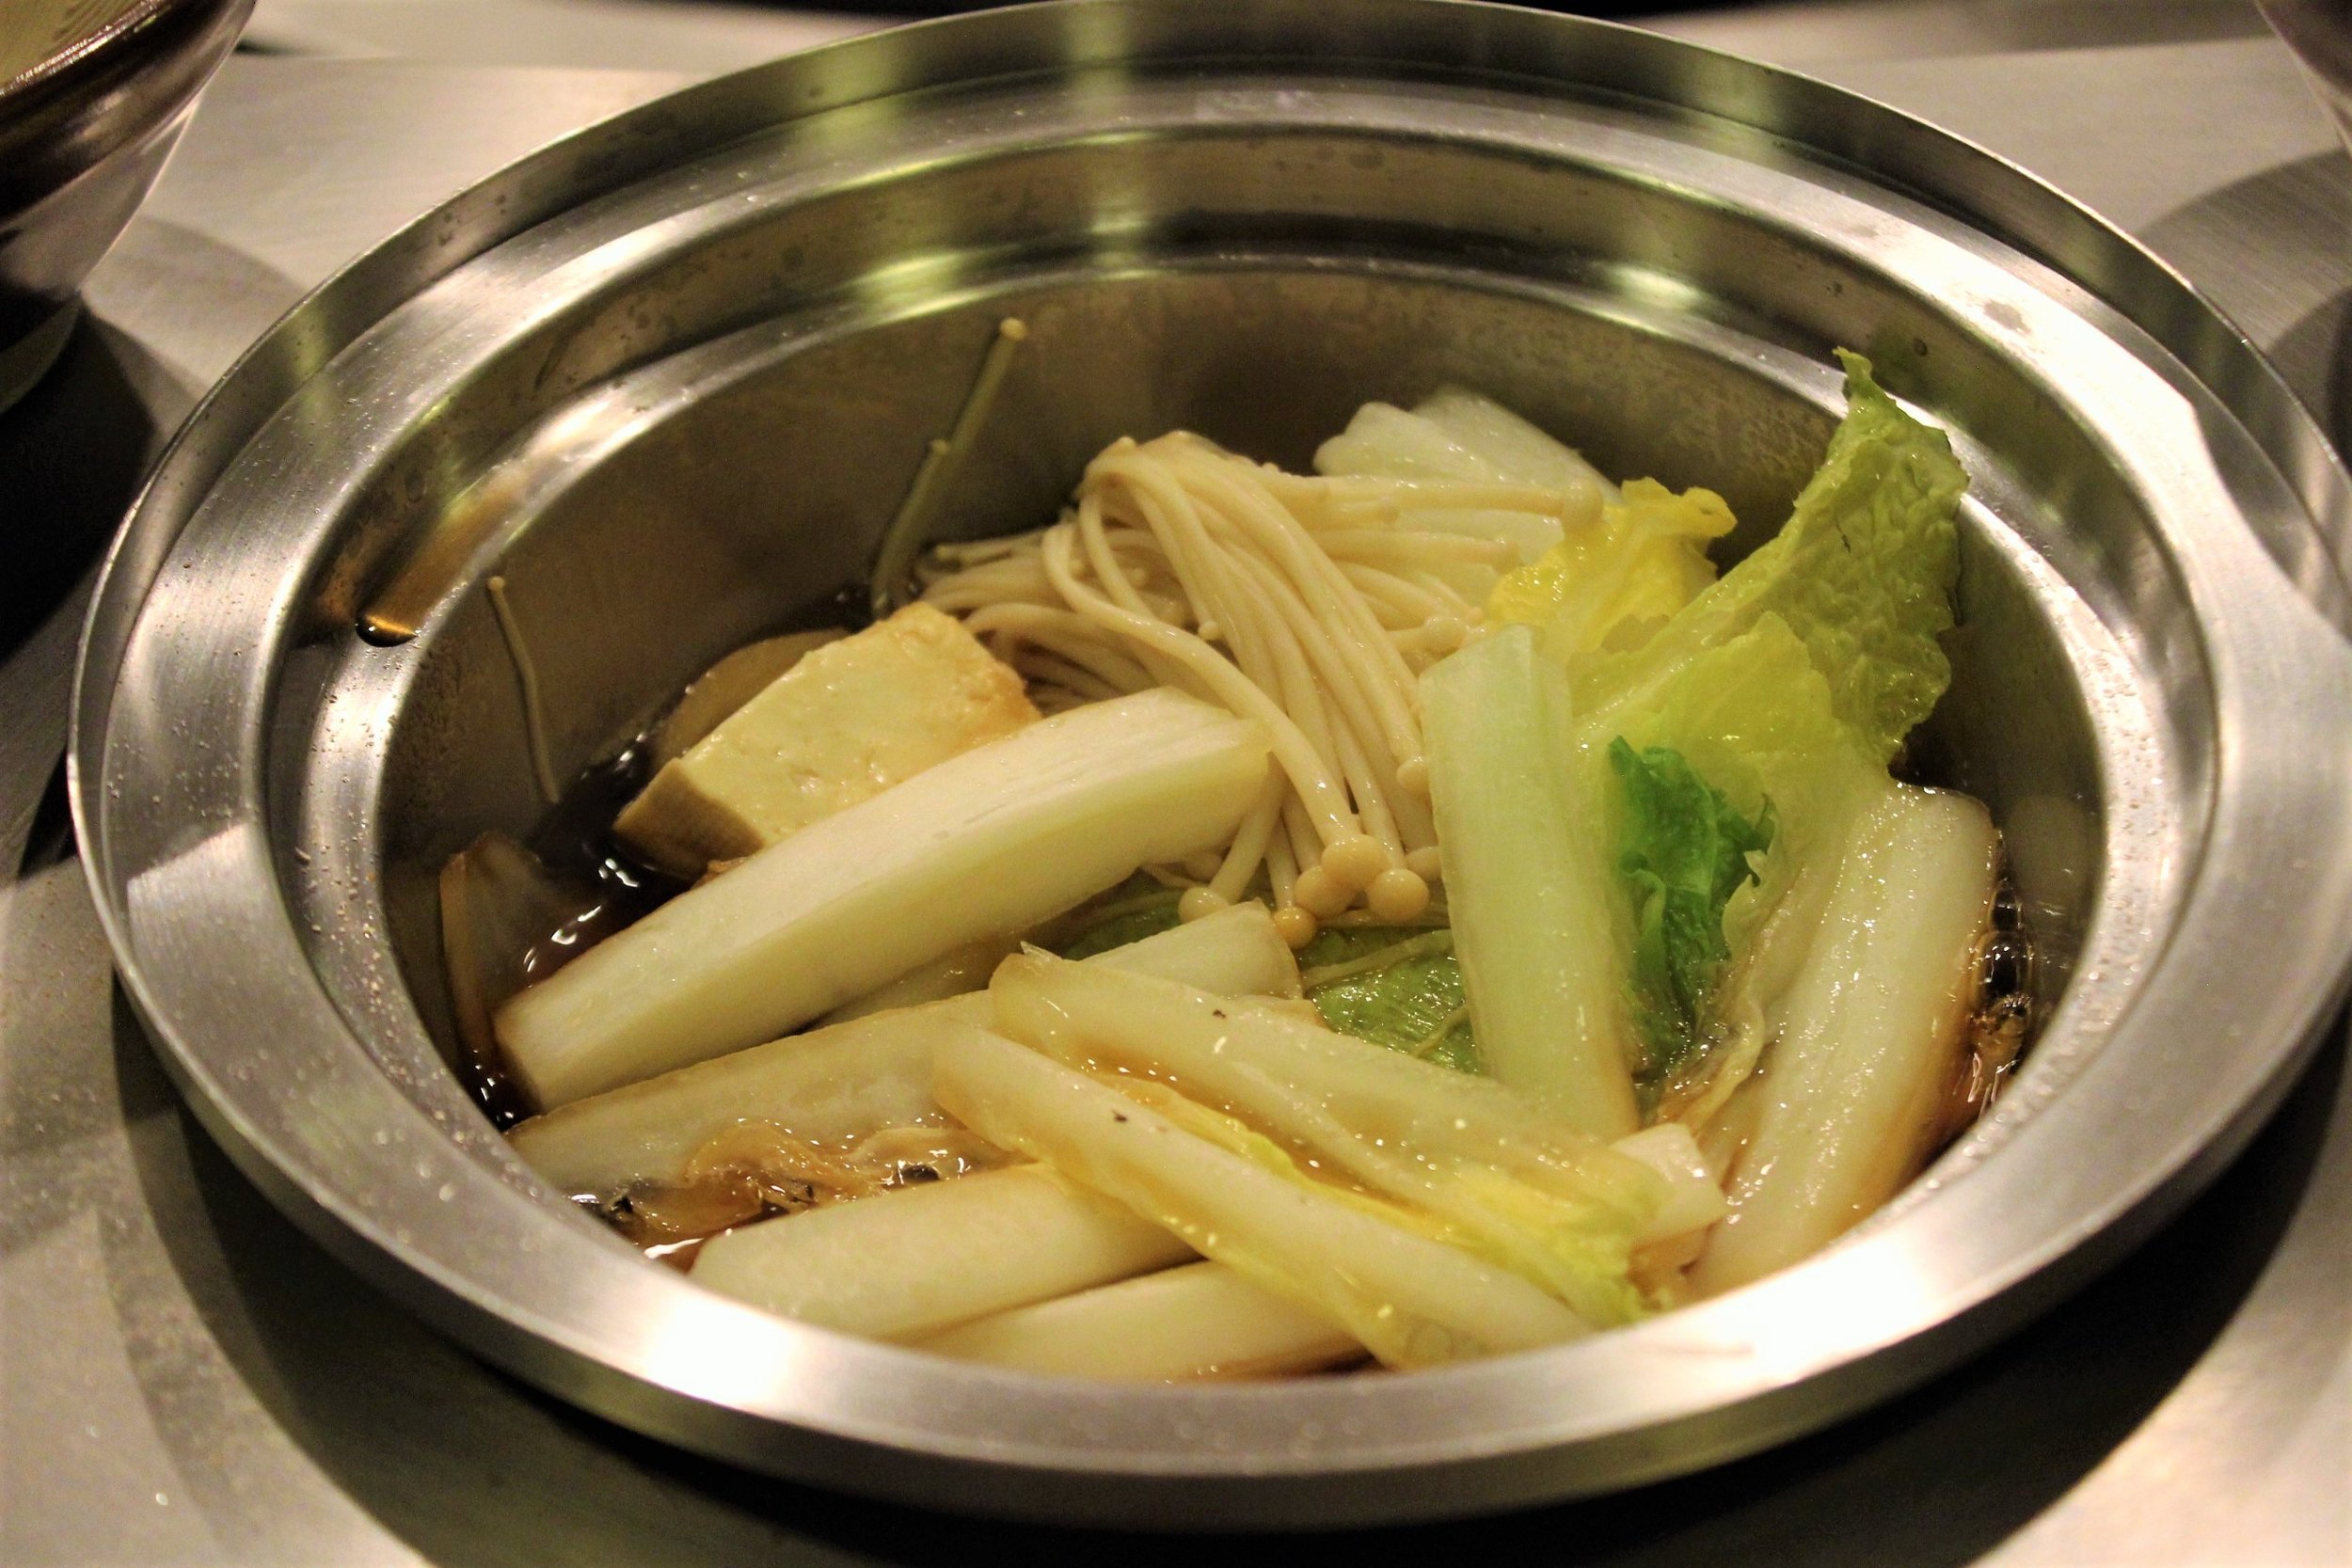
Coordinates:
(2000,1024)
(575,886)
(757,1170)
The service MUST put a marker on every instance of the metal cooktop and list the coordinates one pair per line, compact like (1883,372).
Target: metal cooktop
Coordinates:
(186,1379)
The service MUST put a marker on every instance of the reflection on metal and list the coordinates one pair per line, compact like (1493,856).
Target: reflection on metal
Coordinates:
(93,96)
(436,566)
(27,359)
(396,613)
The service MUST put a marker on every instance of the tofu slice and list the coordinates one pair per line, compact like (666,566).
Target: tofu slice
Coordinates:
(844,723)
(721,692)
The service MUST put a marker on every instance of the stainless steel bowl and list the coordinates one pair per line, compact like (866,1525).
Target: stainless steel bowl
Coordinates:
(671,375)
(93,96)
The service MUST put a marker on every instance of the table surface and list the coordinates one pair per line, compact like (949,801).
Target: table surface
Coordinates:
(186,1379)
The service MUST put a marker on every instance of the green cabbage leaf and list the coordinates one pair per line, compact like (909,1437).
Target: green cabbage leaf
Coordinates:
(1393,986)
(1685,852)
(1862,573)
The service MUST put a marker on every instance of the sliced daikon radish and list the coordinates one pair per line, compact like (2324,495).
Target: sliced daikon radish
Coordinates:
(1200,1321)
(1411,1300)
(846,722)
(848,1081)
(1869,1035)
(991,841)
(919,1259)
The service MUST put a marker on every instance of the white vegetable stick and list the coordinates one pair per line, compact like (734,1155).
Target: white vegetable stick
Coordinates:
(1549,1202)
(916,1260)
(1869,1036)
(852,1079)
(1258,1059)
(1234,952)
(992,840)
(826,1086)
(1410,1300)
(955,973)
(1200,1321)
(1528,892)
(1694,1201)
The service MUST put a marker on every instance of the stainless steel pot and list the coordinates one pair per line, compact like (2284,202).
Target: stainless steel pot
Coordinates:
(670,377)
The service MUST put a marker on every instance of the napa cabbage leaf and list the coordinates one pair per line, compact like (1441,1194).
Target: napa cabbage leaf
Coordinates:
(1611,583)
(1685,852)
(1782,691)
(1393,986)
(1454,1158)
(1862,574)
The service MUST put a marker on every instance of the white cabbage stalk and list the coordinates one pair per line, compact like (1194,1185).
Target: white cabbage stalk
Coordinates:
(1867,1038)
(1455,435)
(1694,1199)
(1202,1321)
(826,1088)
(916,1260)
(955,973)
(850,1079)
(1527,889)
(1520,1187)
(1412,1301)
(993,840)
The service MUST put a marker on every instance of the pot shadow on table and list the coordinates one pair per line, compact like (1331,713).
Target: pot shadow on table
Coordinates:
(2291,297)
(76,448)
(72,453)
(470,1467)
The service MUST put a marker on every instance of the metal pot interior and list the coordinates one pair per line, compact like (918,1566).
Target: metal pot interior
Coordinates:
(741,487)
